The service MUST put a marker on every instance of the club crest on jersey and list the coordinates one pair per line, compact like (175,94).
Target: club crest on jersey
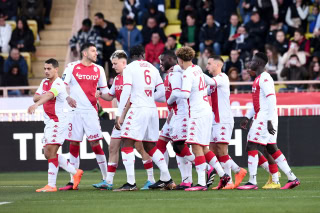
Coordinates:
(95,69)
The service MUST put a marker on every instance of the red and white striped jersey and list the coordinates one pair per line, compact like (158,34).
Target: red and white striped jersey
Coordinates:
(173,81)
(83,81)
(193,81)
(116,88)
(263,86)
(53,109)
(144,78)
(220,99)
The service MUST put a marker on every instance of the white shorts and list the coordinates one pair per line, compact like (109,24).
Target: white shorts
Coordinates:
(141,124)
(116,134)
(199,130)
(258,132)
(54,133)
(84,122)
(221,133)
(179,127)
(166,129)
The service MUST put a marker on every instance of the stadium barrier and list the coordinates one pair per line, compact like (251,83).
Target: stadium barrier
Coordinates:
(21,144)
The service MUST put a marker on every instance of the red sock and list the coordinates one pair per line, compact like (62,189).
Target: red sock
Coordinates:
(273,168)
(262,160)
(162,145)
(223,159)
(97,150)
(152,151)
(185,151)
(209,156)
(74,150)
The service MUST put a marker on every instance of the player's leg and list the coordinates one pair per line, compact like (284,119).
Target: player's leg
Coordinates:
(162,146)
(273,181)
(281,161)
(101,160)
(50,153)
(147,163)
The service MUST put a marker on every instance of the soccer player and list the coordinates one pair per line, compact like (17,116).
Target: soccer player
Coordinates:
(265,124)
(175,128)
(82,78)
(142,82)
(200,118)
(119,62)
(52,94)
(223,122)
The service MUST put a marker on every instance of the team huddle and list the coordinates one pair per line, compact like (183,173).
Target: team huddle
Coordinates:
(199,132)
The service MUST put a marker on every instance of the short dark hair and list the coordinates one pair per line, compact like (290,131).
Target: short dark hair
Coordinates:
(99,15)
(129,21)
(294,56)
(262,56)
(255,13)
(86,22)
(217,57)
(300,31)
(86,46)
(173,36)
(52,61)
(137,51)
(169,54)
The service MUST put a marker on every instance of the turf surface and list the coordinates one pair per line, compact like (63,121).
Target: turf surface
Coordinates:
(19,190)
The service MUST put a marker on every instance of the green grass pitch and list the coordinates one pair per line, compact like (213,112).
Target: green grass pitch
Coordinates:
(19,190)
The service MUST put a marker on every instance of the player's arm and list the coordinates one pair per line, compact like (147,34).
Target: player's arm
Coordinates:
(36,97)
(210,81)
(43,99)
(119,120)
(66,77)
(126,91)
(184,93)
(38,93)
(159,95)
(102,83)
(110,95)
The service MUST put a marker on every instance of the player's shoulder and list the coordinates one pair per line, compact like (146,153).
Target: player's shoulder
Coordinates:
(44,80)
(265,77)
(97,67)
(177,68)
(58,81)
(73,64)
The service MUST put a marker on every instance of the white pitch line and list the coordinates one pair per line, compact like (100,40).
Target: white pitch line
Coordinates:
(3,203)
(16,186)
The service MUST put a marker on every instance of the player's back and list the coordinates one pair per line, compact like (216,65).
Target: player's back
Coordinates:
(198,100)
(220,99)
(144,78)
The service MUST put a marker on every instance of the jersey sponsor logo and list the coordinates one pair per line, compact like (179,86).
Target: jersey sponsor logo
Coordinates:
(142,64)
(93,136)
(87,77)
(191,139)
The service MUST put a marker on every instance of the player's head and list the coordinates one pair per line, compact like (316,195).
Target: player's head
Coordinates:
(185,56)
(257,63)
(119,60)
(137,52)
(51,67)
(89,52)
(215,64)
(167,60)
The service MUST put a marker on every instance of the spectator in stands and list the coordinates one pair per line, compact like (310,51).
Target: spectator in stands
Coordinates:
(150,28)
(205,7)
(47,6)
(294,50)
(283,6)
(130,11)
(158,15)
(229,30)
(144,5)
(281,42)
(108,33)
(257,29)
(190,33)
(233,61)
(223,10)
(203,59)
(273,29)
(312,18)
(245,77)
(15,78)
(294,71)
(1,70)
(11,8)
(5,34)
(296,16)
(233,77)
(129,36)
(314,71)
(268,9)
(210,35)
(316,31)
(154,49)
(171,43)
(186,7)
(303,43)
(16,58)
(33,9)
(245,10)
(274,65)
(22,37)
(84,35)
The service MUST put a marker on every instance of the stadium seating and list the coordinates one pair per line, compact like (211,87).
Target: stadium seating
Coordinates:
(173,29)
(32,25)
(172,16)
(139,27)
(27,57)
(167,3)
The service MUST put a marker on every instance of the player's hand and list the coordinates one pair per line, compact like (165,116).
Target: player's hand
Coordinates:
(271,130)
(244,122)
(32,108)
(98,94)
(72,103)
(117,123)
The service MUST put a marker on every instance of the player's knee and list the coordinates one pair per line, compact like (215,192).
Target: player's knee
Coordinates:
(148,146)
(252,146)
(94,143)
(271,148)
(176,148)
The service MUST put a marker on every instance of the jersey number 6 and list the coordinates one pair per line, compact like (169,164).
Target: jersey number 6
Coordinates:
(147,77)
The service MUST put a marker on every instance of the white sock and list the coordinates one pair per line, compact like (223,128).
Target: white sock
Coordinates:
(189,172)
(265,166)
(190,157)
(101,160)
(166,157)
(234,167)
(53,168)
(225,163)
(213,161)
(283,164)
(253,166)
(148,166)
(128,159)
(200,163)
(182,165)
(158,159)
(112,167)
(75,162)
(63,163)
